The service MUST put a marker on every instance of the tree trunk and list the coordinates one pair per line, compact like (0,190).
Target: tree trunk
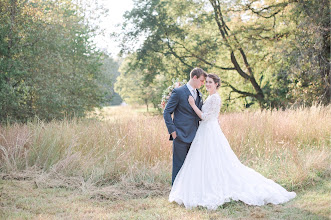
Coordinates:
(12,13)
(146,103)
(224,31)
(325,56)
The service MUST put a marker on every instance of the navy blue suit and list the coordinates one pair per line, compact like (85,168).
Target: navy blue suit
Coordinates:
(185,122)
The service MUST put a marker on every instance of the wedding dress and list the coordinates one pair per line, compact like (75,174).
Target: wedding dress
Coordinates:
(212,174)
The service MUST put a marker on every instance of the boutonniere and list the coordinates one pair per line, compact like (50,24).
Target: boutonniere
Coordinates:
(200,95)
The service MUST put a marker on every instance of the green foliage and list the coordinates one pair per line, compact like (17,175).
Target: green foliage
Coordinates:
(305,56)
(49,67)
(109,71)
(135,86)
(255,47)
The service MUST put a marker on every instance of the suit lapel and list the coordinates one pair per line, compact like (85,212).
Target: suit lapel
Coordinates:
(199,98)
(187,91)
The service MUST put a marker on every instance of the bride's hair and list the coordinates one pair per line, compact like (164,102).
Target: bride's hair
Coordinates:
(215,78)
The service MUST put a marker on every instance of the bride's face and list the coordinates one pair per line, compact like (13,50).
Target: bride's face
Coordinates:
(210,85)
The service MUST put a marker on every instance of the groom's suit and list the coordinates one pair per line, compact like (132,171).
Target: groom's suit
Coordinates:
(185,122)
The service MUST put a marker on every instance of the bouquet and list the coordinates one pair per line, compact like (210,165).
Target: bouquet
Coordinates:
(167,92)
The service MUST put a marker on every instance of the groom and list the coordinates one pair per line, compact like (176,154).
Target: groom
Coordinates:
(185,122)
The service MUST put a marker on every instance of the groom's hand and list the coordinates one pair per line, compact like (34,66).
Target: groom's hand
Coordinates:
(174,135)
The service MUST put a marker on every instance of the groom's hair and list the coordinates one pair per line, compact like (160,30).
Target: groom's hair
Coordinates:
(197,72)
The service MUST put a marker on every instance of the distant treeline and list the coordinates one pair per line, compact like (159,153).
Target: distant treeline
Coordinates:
(49,66)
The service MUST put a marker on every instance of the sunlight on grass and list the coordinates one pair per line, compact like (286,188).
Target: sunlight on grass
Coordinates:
(292,147)
(21,199)
(121,154)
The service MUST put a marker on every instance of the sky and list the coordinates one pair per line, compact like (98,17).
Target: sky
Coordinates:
(108,23)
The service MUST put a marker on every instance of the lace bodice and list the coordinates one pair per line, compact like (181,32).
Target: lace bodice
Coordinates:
(211,107)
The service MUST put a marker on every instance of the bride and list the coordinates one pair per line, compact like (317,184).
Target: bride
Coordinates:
(212,174)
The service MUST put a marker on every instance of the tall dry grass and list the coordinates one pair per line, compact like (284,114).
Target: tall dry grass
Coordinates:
(292,146)
(131,151)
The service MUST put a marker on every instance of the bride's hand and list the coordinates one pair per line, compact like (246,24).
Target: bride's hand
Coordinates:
(191,100)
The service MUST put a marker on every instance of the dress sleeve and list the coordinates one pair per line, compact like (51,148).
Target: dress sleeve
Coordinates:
(212,108)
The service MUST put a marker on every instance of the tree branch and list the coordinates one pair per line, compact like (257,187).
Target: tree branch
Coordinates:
(175,54)
(203,60)
(259,12)
(237,67)
(243,93)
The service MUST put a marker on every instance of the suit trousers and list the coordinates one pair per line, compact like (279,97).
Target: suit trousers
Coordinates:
(179,151)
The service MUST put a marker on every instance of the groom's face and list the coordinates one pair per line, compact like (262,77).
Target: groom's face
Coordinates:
(199,81)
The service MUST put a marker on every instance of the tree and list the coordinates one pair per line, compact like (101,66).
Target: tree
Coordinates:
(134,88)
(109,71)
(179,29)
(239,40)
(49,66)
(306,55)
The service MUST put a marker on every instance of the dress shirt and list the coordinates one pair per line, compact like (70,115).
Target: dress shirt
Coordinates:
(192,90)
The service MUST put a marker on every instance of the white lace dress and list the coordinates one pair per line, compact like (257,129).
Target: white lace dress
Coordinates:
(212,174)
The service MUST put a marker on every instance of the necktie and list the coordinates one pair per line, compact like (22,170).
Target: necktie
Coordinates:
(194,94)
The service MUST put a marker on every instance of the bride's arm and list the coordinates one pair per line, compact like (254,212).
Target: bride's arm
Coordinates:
(195,108)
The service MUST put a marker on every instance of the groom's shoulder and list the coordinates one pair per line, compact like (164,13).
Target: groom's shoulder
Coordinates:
(181,88)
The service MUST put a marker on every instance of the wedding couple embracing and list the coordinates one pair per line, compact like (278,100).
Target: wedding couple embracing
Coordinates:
(206,172)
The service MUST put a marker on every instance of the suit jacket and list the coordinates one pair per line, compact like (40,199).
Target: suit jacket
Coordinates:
(185,121)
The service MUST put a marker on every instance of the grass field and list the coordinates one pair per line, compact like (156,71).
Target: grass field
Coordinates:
(116,164)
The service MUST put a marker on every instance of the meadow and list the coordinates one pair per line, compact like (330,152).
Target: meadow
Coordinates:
(116,164)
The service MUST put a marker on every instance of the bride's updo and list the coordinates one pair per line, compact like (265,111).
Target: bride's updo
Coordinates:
(215,78)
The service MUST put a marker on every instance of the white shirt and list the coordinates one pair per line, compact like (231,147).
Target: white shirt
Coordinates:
(192,90)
